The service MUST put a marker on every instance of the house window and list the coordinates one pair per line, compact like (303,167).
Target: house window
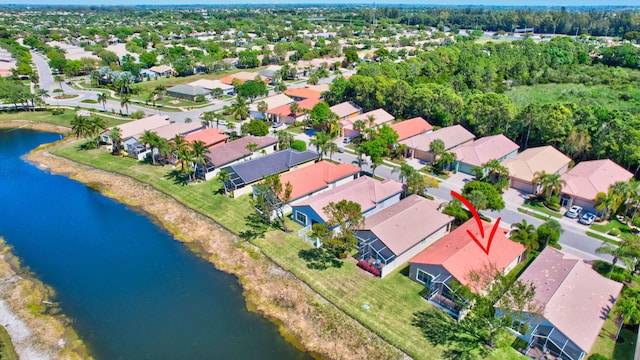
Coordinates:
(424,278)
(300,217)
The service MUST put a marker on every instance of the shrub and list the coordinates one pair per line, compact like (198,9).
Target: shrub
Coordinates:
(57,90)
(597,357)
(368,267)
(57,111)
(636,221)
(299,145)
(553,203)
(199,98)
(614,232)
(137,114)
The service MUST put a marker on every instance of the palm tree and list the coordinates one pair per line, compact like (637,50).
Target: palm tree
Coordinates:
(330,148)
(623,249)
(294,108)
(628,307)
(359,125)
(371,120)
(208,117)
(116,139)
(525,234)
(188,120)
(437,148)
(251,147)
(405,171)
(80,126)
(607,204)
(96,125)
(59,79)
(263,107)
(200,153)
(185,158)
(224,177)
(550,184)
(240,109)
(623,191)
(125,100)
(447,159)
(153,140)
(102,98)
(41,94)
(319,142)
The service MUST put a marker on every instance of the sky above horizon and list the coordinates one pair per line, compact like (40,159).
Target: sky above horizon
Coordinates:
(529,3)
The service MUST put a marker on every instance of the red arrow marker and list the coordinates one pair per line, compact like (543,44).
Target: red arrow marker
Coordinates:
(476,216)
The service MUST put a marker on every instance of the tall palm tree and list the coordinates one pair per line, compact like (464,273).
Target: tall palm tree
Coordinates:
(263,107)
(208,117)
(185,158)
(624,248)
(623,191)
(80,126)
(607,204)
(525,234)
(240,109)
(96,125)
(330,148)
(102,98)
(41,94)
(251,147)
(628,307)
(437,148)
(151,139)
(294,108)
(319,142)
(116,139)
(224,177)
(200,153)
(550,184)
(125,100)
(59,79)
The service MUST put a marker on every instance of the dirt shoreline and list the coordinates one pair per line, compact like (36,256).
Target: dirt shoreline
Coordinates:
(303,317)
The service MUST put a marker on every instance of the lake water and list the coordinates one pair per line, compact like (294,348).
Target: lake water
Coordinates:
(131,290)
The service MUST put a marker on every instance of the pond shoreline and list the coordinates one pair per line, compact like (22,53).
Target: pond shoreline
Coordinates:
(303,317)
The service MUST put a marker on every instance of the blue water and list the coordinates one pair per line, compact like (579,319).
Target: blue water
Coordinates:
(131,290)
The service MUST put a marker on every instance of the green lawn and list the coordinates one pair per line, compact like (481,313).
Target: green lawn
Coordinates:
(7,352)
(62,120)
(606,345)
(601,238)
(538,206)
(625,231)
(391,301)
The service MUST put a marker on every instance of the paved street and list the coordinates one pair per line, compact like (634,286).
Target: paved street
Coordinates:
(573,240)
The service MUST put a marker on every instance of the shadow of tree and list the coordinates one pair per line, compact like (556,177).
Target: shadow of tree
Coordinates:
(319,259)
(440,329)
(257,227)
(178,177)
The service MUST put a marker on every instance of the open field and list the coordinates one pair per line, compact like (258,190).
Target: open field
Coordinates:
(626,99)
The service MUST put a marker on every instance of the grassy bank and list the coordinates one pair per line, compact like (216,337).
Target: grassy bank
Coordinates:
(7,351)
(385,306)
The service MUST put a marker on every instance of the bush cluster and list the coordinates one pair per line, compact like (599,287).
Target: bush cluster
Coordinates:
(368,267)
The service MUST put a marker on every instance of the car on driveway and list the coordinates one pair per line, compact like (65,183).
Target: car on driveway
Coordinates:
(277,124)
(574,212)
(587,218)
(347,140)
(223,122)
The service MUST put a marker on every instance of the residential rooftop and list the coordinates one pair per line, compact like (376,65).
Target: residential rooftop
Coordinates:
(588,178)
(318,176)
(543,158)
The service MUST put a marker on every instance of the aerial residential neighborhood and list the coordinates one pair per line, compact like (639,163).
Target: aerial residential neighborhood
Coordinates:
(381,181)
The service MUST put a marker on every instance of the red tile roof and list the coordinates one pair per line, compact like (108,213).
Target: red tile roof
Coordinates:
(460,255)
(316,177)
(304,93)
(283,110)
(411,127)
(209,137)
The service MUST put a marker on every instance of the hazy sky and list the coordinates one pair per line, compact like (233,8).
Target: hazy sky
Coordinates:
(379,3)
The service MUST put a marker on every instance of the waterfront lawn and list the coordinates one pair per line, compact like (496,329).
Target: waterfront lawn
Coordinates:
(391,301)
(6,346)
(61,120)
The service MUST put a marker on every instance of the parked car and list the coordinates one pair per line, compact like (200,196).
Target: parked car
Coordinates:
(340,149)
(223,122)
(587,218)
(347,140)
(277,124)
(574,212)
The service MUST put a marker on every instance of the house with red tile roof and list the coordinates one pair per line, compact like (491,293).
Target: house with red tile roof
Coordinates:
(394,235)
(452,136)
(372,195)
(523,167)
(210,137)
(272,103)
(411,127)
(380,116)
(496,147)
(571,304)
(283,113)
(242,76)
(299,94)
(456,257)
(319,177)
(588,178)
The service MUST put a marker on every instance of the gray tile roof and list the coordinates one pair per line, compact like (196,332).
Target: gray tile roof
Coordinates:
(188,90)
(275,163)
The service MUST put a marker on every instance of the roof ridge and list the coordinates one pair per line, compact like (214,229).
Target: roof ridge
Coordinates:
(555,291)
